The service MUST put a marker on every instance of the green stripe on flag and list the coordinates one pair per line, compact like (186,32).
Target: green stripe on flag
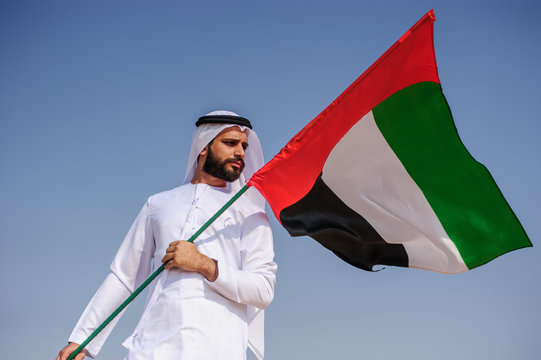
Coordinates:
(417,124)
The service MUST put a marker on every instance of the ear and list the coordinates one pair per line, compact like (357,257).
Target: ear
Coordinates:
(203,154)
(204,151)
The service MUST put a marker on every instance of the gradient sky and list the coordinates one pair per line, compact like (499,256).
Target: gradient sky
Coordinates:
(98,101)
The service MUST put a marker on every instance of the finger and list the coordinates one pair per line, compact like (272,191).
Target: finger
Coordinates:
(80,355)
(61,355)
(174,243)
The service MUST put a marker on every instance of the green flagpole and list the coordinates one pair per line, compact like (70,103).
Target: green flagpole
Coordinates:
(154,275)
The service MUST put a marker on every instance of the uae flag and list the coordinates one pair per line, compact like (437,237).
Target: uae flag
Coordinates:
(382,177)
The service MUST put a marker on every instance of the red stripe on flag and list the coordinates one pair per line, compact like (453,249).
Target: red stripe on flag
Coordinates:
(292,172)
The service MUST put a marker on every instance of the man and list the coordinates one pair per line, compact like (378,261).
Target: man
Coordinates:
(208,303)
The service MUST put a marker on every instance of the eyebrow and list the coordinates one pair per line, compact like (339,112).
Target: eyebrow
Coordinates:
(233,139)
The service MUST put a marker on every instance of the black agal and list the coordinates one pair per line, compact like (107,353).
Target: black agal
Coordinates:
(223,119)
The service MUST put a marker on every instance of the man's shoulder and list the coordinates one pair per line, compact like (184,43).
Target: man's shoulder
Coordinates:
(167,194)
(250,205)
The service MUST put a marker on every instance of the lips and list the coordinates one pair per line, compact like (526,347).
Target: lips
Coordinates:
(236,163)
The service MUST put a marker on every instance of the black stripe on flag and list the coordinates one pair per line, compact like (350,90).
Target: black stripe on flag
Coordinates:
(327,219)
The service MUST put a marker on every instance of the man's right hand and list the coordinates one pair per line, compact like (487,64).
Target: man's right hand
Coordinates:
(68,349)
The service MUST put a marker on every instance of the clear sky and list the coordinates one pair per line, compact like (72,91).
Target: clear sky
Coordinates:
(98,101)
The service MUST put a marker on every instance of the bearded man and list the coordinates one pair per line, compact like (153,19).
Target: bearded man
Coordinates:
(208,303)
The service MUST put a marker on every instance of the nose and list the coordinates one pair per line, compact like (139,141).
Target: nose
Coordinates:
(239,152)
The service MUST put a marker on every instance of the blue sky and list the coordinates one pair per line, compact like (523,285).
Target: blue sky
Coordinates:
(98,101)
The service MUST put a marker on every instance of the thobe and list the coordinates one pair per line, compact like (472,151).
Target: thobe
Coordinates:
(186,316)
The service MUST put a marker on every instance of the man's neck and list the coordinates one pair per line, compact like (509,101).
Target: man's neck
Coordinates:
(201,177)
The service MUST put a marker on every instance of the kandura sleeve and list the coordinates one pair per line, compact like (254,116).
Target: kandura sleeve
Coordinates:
(253,283)
(130,267)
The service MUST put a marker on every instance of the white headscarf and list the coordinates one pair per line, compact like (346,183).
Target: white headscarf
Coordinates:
(253,159)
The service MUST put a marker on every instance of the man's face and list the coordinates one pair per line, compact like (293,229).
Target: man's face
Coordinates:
(225,154)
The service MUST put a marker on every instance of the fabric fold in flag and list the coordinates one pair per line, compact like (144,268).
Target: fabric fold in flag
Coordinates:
(381,177)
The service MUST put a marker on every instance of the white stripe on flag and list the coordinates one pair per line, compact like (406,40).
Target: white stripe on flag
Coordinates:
(365,173)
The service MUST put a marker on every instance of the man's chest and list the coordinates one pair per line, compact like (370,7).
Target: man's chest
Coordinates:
(179,216)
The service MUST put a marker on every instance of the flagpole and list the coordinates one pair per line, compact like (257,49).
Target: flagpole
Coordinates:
(154,275)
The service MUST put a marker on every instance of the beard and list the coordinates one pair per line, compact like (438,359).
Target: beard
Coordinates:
(217,168)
